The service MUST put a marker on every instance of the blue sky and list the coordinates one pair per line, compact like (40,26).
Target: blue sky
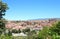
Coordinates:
(32,9)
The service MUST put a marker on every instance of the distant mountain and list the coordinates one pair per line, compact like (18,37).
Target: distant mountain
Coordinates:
(45,19)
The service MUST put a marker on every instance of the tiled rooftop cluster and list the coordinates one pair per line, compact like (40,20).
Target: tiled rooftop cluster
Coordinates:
(32,24)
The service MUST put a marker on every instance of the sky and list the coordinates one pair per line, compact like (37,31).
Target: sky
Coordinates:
(32,9)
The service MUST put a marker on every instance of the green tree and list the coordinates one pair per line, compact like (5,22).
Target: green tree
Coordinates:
(50,32)
(26,30)
(44,34)
(3,8)
(16,31)
(55,31)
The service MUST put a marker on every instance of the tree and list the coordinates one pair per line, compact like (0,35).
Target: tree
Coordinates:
(44,34)
(3,8)
(26,30)
(55,30)
(16,31)
(50,32)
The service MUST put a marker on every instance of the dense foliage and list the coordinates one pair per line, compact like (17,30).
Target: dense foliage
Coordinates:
(3,8)
(50,33)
